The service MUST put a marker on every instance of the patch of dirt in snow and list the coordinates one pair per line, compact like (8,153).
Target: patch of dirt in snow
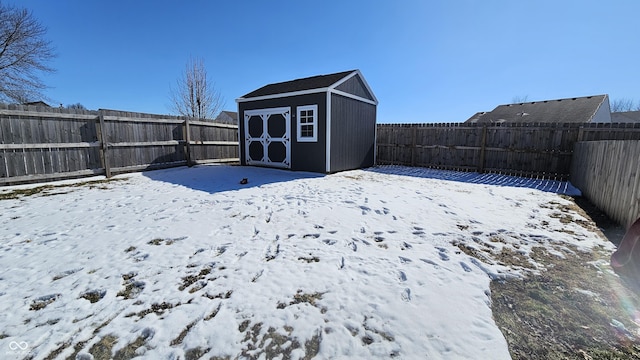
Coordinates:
(49,190)
(574,307)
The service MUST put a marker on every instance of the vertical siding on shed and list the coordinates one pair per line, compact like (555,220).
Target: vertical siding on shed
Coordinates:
(353,128)
(305,156)
(355,86)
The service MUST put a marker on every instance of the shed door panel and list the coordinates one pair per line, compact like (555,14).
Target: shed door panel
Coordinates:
(268,137)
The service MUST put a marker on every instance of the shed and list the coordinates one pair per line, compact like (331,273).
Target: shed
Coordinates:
(324,123)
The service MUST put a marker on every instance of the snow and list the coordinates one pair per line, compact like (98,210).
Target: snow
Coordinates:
(361,264)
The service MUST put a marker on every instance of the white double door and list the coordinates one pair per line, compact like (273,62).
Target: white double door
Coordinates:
(267,136)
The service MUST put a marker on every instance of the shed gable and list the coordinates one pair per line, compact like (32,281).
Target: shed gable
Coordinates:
(355,86)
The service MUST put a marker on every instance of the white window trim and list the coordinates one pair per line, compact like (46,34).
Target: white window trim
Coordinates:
(313,138)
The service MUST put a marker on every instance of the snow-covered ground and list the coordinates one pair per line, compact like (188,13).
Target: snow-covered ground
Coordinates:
(187,262)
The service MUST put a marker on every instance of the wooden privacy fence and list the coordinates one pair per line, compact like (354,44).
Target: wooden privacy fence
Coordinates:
(608,173)
(41,144)
(522,149)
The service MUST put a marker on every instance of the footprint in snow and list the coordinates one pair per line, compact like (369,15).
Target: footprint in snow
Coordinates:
(406,295)
(466,267)
(353,246)
(443,256)
(430,262)
(257,275)
(272,252)
(404,260)
(402,276)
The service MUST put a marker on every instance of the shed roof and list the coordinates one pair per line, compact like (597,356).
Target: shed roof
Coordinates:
(309,83)
(571,110)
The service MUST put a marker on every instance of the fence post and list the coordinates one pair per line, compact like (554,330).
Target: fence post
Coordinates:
(104,146)
(413,146)
(187,139)
(580,133)
(483,144)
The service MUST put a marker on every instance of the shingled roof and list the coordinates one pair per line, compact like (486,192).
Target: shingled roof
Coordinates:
(625,117)
(310,83)
(570,110)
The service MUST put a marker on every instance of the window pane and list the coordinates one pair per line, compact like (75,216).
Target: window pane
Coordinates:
(306,131)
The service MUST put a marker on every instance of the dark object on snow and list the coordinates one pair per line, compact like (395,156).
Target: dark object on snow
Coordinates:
(244,181)
(626,259)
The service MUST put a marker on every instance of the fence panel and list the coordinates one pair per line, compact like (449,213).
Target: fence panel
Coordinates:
(39,144)
(139,141)
(524,149)
(213,142)
(608,174)
(42,144)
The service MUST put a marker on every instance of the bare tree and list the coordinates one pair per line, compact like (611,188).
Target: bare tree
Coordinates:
(620,105)
(24,54)
(194,96)
(519,99)
(76,106)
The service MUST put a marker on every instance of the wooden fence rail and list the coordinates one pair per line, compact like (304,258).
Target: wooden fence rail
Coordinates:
(608,173)
(41,144)
(524,149)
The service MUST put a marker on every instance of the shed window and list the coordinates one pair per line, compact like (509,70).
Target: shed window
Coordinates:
(308,123)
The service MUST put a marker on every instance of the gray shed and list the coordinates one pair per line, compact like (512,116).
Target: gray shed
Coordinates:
(324,123)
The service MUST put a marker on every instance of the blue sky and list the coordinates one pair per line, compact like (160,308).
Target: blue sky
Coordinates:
(426,61)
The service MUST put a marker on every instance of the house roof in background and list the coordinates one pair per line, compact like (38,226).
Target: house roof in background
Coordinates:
(309,83)
(476,117)
(232,114)
(625,117)
(36,103)
(571,110)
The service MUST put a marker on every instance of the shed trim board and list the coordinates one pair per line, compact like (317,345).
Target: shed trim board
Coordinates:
(328,130)
(355,97)
(283,95)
